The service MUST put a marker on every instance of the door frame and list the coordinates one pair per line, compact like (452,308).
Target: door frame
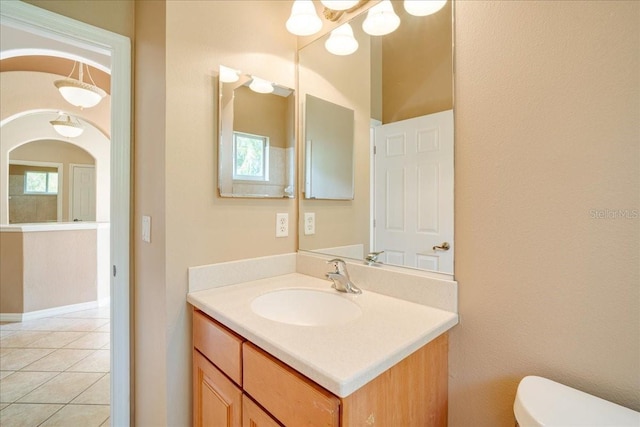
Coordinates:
(52,25)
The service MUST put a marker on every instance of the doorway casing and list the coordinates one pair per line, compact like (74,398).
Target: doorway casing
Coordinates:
(118,47)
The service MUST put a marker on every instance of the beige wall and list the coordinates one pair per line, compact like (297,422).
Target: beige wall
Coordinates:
(261,114)
(150,330)
(428,90)
(547,107)
(112,15)
(47,269)
(11,277)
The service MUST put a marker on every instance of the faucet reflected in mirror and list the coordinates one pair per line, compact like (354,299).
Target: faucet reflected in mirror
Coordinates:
(256,147)
(400,87)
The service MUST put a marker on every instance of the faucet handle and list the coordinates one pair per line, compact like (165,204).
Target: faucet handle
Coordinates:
(338,264)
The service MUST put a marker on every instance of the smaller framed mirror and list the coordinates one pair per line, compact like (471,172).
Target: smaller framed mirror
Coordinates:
(328,150)
(256,149)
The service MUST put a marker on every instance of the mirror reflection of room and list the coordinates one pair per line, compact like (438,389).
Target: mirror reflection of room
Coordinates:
(400,86)
(257,139)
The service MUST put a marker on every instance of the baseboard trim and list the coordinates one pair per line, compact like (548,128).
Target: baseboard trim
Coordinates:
(48,312)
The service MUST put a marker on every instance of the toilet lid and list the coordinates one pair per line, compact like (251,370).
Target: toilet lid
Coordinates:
(542,402)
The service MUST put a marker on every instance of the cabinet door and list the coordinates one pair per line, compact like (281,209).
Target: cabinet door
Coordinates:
(216,400)
(254,416)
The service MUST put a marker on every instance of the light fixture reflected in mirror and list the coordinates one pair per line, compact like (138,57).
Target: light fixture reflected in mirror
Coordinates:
(304,21)
(66,126)
(77,92)
(339,4)
(261,85)
(423,7)
(381,19)
(341,41)
(229,75)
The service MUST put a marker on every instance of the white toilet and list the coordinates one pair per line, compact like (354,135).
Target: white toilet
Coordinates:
(542,402)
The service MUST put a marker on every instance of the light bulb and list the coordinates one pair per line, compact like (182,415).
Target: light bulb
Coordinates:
(304,20)
(261,85)
(229,75)
(341,41)
(381,19)
(423,7)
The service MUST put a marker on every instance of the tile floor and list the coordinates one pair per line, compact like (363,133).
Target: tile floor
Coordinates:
(55,371)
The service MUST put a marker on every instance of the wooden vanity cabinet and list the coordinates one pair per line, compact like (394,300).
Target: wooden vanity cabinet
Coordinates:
(411,393)
(217,401)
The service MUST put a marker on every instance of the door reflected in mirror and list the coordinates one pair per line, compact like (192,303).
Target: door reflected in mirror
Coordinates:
(400,87)
(256,148)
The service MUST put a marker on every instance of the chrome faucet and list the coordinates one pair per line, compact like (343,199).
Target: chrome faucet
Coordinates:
(372,258)
(340,277)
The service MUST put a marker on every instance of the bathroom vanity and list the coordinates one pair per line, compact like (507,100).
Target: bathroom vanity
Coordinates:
(385,366)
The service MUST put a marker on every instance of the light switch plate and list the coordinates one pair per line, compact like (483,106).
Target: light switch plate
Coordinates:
(146,229)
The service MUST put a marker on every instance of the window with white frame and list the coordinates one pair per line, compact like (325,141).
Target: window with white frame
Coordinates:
(36,182)
(250,157)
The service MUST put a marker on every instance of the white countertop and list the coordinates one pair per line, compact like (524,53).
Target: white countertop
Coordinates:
(52,226)
(340,358)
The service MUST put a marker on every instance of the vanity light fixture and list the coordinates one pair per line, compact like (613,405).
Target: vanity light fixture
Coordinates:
(77,92)
(339,4)
(304,21)
(229,75)
(66,126)
(381,19)
(341,41)
(423,7)
(260,85)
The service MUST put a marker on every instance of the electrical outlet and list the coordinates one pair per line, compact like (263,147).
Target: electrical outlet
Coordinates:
(309,223)
(282,225)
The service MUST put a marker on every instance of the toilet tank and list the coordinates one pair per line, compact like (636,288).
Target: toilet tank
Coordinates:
(542,402)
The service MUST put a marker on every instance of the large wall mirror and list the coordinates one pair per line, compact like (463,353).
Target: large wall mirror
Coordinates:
(400,88)
(256,149)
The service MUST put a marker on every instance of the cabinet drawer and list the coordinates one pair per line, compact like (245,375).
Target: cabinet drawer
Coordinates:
(254,416)
(293,399)
(219,345)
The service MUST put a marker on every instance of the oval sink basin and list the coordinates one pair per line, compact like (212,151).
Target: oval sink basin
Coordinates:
(305,307)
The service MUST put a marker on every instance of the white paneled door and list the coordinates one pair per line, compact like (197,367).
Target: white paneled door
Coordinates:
(83,193)
(414,192)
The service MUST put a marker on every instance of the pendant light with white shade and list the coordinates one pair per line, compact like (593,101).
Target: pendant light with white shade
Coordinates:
(77,92)
(66,126)
(304,21)
(341,41)
(381,19)
(423,7)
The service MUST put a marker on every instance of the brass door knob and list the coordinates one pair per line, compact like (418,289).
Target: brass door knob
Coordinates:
(443,247)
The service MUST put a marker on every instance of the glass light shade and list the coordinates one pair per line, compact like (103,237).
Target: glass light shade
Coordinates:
(260,85)
(341,41)
(80,94)
(381,19)
(67,127)
(229,75)
(339,4)
(304,20)
(423,7)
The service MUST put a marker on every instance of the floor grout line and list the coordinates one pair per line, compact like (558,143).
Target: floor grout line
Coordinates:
(88,323)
